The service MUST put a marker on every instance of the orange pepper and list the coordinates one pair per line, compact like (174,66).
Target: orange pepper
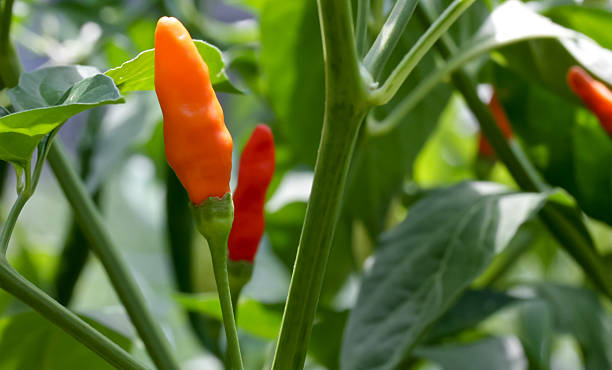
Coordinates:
(198,145)
(497,110)
(594,94)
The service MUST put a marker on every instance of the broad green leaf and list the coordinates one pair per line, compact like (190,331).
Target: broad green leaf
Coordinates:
(501,31)
(486,354)
(292,66)
(137,74)
(423,265)
(544,41)
(584,318)
(536,333)
(591,20)
(45,99)
(28,341)
(472,308)
(256,318)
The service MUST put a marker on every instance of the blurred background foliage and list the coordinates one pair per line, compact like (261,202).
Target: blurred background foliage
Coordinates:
(539,312)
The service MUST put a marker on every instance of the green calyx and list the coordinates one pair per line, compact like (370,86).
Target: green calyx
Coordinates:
(214,218)
(240,273)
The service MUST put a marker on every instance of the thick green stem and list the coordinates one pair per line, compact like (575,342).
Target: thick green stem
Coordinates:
(17,285)
(389,35)
(345,108)
(509,152)
(397,77)
(214,219)
(92,224)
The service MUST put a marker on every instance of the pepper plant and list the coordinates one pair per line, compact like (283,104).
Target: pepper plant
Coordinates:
(430,188)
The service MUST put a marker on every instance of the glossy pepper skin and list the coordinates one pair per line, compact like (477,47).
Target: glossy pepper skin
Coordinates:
(254,175)
(594,94)
(497,110)
(198,145)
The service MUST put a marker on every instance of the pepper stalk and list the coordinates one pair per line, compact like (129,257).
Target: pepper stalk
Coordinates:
(214,218)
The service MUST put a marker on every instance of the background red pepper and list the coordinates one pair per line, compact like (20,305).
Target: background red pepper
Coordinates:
(594,94)
(254,175)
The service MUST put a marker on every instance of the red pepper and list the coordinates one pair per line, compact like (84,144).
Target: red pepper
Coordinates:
(254,176)
(497,110)
(594,94)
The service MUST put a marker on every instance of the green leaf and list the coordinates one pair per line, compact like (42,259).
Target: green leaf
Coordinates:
(545,41)
(27,341)
(45,99)
(423,265)
(487,354)
(472,308)
(256,318)
(536,333)
(590,20)
(527,49)
(138,74)
(292,66)
(584,318)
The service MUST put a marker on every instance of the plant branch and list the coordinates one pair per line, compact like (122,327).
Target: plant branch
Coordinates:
(361,30)
(25,193)
(10,68)
(345,107)
(389,35)
(397,77)
(92,224)
(17,285)
(214,218)
(227,306)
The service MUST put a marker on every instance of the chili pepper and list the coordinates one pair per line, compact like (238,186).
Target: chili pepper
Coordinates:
(254,176)
(594,94)
(198,145)
(497,110)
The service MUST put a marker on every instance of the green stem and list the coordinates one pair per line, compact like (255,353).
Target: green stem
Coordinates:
(240,273)
(11,220)
(25,192)
(219,259)
(180,227)
(389,35)
(397,77)
(17,285)
(214,219)
(10,67)
(345,108)
(92,224)
(509,152)
(75,252)
(361,30)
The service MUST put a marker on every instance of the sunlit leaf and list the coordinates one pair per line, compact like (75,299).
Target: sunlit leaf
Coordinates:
(46,98)
(137,74)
